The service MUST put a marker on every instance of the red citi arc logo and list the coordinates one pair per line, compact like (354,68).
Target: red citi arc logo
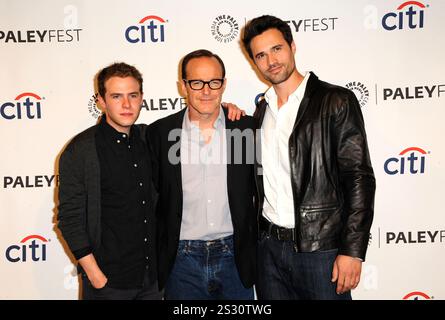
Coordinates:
(416,295)
(25,105)
(412,18)
(150,29)
(411,161)
(31,247)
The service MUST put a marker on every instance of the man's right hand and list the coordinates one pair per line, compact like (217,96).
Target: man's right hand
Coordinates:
(98,281)
(95,275)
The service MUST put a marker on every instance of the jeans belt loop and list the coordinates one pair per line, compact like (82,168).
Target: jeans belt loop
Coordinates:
(278,234)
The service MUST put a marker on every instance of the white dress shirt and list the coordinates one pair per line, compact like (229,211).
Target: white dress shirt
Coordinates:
(276,128)
(206,212)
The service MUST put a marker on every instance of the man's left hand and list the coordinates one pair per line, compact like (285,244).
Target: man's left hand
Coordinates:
(346,272)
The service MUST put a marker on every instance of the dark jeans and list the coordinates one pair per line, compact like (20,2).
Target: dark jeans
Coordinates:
(206,270)
(289,275)
(149,291)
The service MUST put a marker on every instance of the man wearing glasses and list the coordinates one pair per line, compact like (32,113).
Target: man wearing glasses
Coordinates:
(204,173)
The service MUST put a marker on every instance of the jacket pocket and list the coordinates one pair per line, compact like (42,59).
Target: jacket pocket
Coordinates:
(317,223)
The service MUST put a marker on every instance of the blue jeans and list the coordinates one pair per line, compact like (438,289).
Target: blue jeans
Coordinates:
(206,270)
(289,275)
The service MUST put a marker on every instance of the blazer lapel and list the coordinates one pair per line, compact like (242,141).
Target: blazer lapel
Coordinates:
(177,167)
(229,127)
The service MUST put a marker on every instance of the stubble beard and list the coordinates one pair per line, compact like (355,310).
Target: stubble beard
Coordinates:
(280,78)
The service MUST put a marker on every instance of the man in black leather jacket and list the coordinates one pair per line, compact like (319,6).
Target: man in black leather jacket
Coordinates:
(314,177)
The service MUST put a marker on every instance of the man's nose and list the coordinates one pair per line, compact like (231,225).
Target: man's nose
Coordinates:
(206,89)
(125,102)
(271,60)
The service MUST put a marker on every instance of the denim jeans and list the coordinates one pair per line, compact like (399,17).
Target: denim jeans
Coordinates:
(286,274)
(206,270)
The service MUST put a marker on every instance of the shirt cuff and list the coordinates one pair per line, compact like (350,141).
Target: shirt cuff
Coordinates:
(79,254)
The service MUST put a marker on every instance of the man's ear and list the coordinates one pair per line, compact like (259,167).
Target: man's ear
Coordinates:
(102,104)
(224,85)
(182,88)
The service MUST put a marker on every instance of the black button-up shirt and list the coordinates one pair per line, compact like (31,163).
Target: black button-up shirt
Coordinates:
(124,164)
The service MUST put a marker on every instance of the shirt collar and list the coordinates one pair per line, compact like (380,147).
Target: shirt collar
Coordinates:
(112,134)
(189,125)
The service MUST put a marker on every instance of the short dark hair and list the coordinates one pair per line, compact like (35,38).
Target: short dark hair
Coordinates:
(117,69)
(198,54)
(258,25)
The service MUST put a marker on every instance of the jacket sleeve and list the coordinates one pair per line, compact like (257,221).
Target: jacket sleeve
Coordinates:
(72,207)
(356,177)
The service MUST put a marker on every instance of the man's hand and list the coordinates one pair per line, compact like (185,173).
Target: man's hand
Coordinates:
(346,272)
(95,275)
(98,280)
(234,113)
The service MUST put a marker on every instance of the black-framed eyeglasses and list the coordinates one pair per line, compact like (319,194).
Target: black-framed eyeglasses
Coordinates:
(213,84)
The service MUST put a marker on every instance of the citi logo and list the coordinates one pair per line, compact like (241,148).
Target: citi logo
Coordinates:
(411,18)
(25,105)
(150,29)
(31,247)
(417,295)
(411,161)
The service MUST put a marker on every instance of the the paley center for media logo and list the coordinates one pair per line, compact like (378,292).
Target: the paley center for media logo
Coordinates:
(360,90)
(225,28)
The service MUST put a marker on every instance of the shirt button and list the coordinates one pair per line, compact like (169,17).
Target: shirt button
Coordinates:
(145,239)
(209,201)
(140,184)
(124,136)
(135,165)
(145,221)
(146,258)
(143,201)
(118,141)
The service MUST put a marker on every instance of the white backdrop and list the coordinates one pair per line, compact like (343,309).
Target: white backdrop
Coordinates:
(390,53)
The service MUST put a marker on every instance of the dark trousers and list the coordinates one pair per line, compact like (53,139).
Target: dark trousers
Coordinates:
(149,291)
(286,274)
(206,270)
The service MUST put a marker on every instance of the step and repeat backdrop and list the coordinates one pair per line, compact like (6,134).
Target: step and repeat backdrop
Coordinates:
(390,53)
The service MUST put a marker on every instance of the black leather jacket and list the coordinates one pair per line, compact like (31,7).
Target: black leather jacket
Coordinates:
(332,179)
